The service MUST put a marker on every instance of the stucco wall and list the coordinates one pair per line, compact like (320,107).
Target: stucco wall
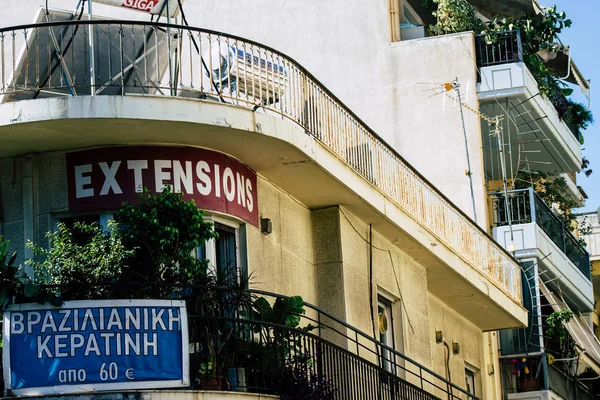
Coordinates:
(11,204)
(282,261)
(456,329)
(417,313)
(386,84)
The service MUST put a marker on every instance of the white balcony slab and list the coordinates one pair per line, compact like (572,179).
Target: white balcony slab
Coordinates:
(512,91)
(536,395)
(529,241)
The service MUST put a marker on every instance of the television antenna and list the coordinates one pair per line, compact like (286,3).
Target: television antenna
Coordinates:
(452,90)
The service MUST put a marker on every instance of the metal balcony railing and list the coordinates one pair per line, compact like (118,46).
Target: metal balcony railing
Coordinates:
(525,206)
(498,48)
(334,358)
(563,108)
(144,58)
(506,48)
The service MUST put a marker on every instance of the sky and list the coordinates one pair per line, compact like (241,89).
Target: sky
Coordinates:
(585,51)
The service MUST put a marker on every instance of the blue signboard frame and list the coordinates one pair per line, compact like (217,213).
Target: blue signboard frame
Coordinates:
(71,366)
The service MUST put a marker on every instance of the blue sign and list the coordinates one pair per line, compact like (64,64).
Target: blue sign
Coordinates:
(95,345)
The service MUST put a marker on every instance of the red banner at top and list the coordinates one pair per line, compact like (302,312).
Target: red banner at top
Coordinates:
(156,7)
(102,179)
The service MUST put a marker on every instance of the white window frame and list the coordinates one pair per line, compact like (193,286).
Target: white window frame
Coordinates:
(471,370)
(211,249)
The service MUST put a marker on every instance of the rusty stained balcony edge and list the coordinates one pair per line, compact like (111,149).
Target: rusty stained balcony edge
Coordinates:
(429,204)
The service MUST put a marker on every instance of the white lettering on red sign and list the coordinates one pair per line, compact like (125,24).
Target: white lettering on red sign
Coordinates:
(143,5)
(103,179)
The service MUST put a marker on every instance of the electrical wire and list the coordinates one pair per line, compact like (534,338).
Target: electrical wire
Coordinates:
(67,46)
(448,368)
(393,268)
(214,85)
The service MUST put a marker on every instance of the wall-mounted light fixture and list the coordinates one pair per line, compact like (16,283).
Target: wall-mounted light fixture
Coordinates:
(266,226)
(439,337)
(455,348)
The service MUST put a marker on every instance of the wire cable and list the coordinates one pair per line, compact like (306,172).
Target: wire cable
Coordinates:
(67,46)
(393,268)
(213,84)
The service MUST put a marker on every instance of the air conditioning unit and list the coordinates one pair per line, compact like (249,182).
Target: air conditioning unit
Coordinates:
(245,72)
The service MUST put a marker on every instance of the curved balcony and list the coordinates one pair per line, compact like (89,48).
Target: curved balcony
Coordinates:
(159,60)
(317,353)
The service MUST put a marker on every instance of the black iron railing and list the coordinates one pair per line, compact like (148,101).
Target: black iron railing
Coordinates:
(234,347)
(498,48)
(524,206)
(506,48)
(563,108)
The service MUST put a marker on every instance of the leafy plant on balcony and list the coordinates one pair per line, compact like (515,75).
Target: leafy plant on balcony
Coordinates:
(539,35)
(83,270)
(15,285)
(553,190)
(578,117)
(300,382)
(560,342)
(164,231)
(455,16)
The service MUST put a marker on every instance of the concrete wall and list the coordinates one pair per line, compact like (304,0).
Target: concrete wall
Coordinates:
(386,84)
(417,313)
(282,261)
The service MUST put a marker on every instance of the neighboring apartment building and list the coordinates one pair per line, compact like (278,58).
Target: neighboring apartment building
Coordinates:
(304,194)
(590,232)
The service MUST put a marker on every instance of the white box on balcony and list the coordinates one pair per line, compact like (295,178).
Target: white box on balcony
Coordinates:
(412,32)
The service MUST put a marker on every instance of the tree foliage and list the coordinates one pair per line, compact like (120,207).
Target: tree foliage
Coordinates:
(455,16)
(148,243)
(552,189)
(164,231)
(84,270)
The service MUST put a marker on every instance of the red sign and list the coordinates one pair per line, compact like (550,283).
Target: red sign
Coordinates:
(102,179)
(150,6)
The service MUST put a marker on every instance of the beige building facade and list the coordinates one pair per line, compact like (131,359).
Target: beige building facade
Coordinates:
(365,213)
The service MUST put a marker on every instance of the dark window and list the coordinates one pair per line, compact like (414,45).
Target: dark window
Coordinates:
(226,254)
(470,381)
(79,237)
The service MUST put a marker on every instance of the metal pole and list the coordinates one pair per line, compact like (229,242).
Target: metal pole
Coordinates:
(508,210)
(91,49)
(462,118)
(169,50)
